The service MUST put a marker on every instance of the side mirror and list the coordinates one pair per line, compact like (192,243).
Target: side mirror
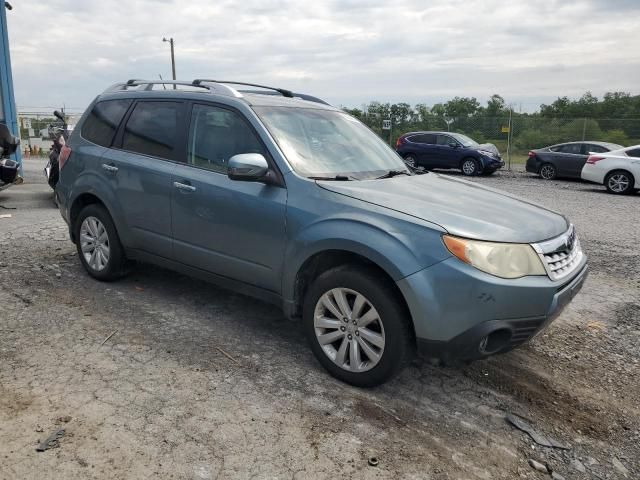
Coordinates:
(58,115)
(454,145)
(248,167)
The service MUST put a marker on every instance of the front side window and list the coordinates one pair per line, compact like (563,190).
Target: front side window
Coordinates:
(152,129)
(588,148)
(102,123)
(326,143)
(464,140)
(445,140)
(216,135)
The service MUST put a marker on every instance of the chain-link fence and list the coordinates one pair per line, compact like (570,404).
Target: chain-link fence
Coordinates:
(37,130)
(513,134)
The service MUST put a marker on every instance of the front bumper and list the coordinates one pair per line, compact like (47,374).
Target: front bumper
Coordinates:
(491,164)
(461,313)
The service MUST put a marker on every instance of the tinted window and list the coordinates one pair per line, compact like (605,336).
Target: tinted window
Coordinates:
(570,148)
(634,153)
(102,123)
(594,148)
(427,138)
(152,129)
(445,140)
(216,135)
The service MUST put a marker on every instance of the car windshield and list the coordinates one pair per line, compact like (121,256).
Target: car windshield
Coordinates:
(464,140)
(328,143)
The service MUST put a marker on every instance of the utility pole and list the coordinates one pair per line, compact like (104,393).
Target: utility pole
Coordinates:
(509,137)
(173,58)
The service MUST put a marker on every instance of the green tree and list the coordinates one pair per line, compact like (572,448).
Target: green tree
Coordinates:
(461,107)
(495,106)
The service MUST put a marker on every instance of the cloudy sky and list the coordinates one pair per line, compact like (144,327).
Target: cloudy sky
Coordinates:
(346,51)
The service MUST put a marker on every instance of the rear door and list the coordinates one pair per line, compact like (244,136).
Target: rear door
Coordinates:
(230,228)
(423,144)
(569,159)
(140,167)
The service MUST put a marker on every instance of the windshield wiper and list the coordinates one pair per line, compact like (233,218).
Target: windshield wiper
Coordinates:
(342,178)
(393,173)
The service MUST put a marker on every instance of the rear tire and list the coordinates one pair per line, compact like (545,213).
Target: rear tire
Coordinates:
(470,167)
(98,244)
(364,348)
(619,182)
(548,171)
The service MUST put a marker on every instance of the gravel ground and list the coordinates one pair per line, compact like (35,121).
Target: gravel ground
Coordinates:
(196,382)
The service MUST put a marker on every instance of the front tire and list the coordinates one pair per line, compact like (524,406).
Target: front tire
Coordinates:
(98,244)
(619,182)
(411,161)
(470,167)
(358,328)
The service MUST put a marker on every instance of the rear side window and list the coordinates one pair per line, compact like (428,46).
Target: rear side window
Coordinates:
(152,129)
(102,123)
(634,153)
(426,138)
(575,148)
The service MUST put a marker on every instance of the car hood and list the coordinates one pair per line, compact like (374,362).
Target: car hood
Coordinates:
(488,147)
(460,207)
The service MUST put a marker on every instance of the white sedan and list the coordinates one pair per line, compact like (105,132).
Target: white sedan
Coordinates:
(618,170)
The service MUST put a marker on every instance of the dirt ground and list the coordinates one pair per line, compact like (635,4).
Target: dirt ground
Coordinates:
(160,375)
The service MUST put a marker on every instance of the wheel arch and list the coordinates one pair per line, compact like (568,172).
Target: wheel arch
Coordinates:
(325,260)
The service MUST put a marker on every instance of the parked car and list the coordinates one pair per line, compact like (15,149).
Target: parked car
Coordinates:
(448,150)
(618,171)
(300,204)
(564,160)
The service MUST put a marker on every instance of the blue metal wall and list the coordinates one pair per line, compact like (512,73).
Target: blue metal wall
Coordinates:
(8,112)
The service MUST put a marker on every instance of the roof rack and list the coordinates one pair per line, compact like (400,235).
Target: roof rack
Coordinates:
(282,91)
(217,86)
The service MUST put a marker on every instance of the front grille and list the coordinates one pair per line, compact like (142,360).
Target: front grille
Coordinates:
(560,255)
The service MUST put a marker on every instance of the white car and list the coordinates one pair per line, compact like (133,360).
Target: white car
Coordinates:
(618,170)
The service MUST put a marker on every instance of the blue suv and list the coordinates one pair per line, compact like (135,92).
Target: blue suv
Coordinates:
(448,150)
(297,203)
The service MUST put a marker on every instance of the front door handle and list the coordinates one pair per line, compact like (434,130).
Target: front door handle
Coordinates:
(109,168)
(183,187)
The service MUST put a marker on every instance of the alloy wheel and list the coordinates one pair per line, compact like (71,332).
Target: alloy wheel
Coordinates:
(547,172)
(349,329)
(94,243)
(409,160)
(469,167)
(618,183)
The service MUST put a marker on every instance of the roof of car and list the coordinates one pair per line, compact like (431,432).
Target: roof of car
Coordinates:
(212,90)
(427,131)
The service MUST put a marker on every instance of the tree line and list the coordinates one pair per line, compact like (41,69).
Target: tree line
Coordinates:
(615,118)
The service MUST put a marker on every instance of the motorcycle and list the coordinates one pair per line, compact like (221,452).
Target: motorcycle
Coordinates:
(8,168)
(59,134)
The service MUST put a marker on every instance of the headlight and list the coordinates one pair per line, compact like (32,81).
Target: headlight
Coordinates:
(505,260)
(488,153)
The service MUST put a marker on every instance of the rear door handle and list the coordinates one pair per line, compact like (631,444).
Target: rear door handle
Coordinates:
(109,168)
(183,187)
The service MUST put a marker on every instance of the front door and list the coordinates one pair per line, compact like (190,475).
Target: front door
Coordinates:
(230,228)
(448,156)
